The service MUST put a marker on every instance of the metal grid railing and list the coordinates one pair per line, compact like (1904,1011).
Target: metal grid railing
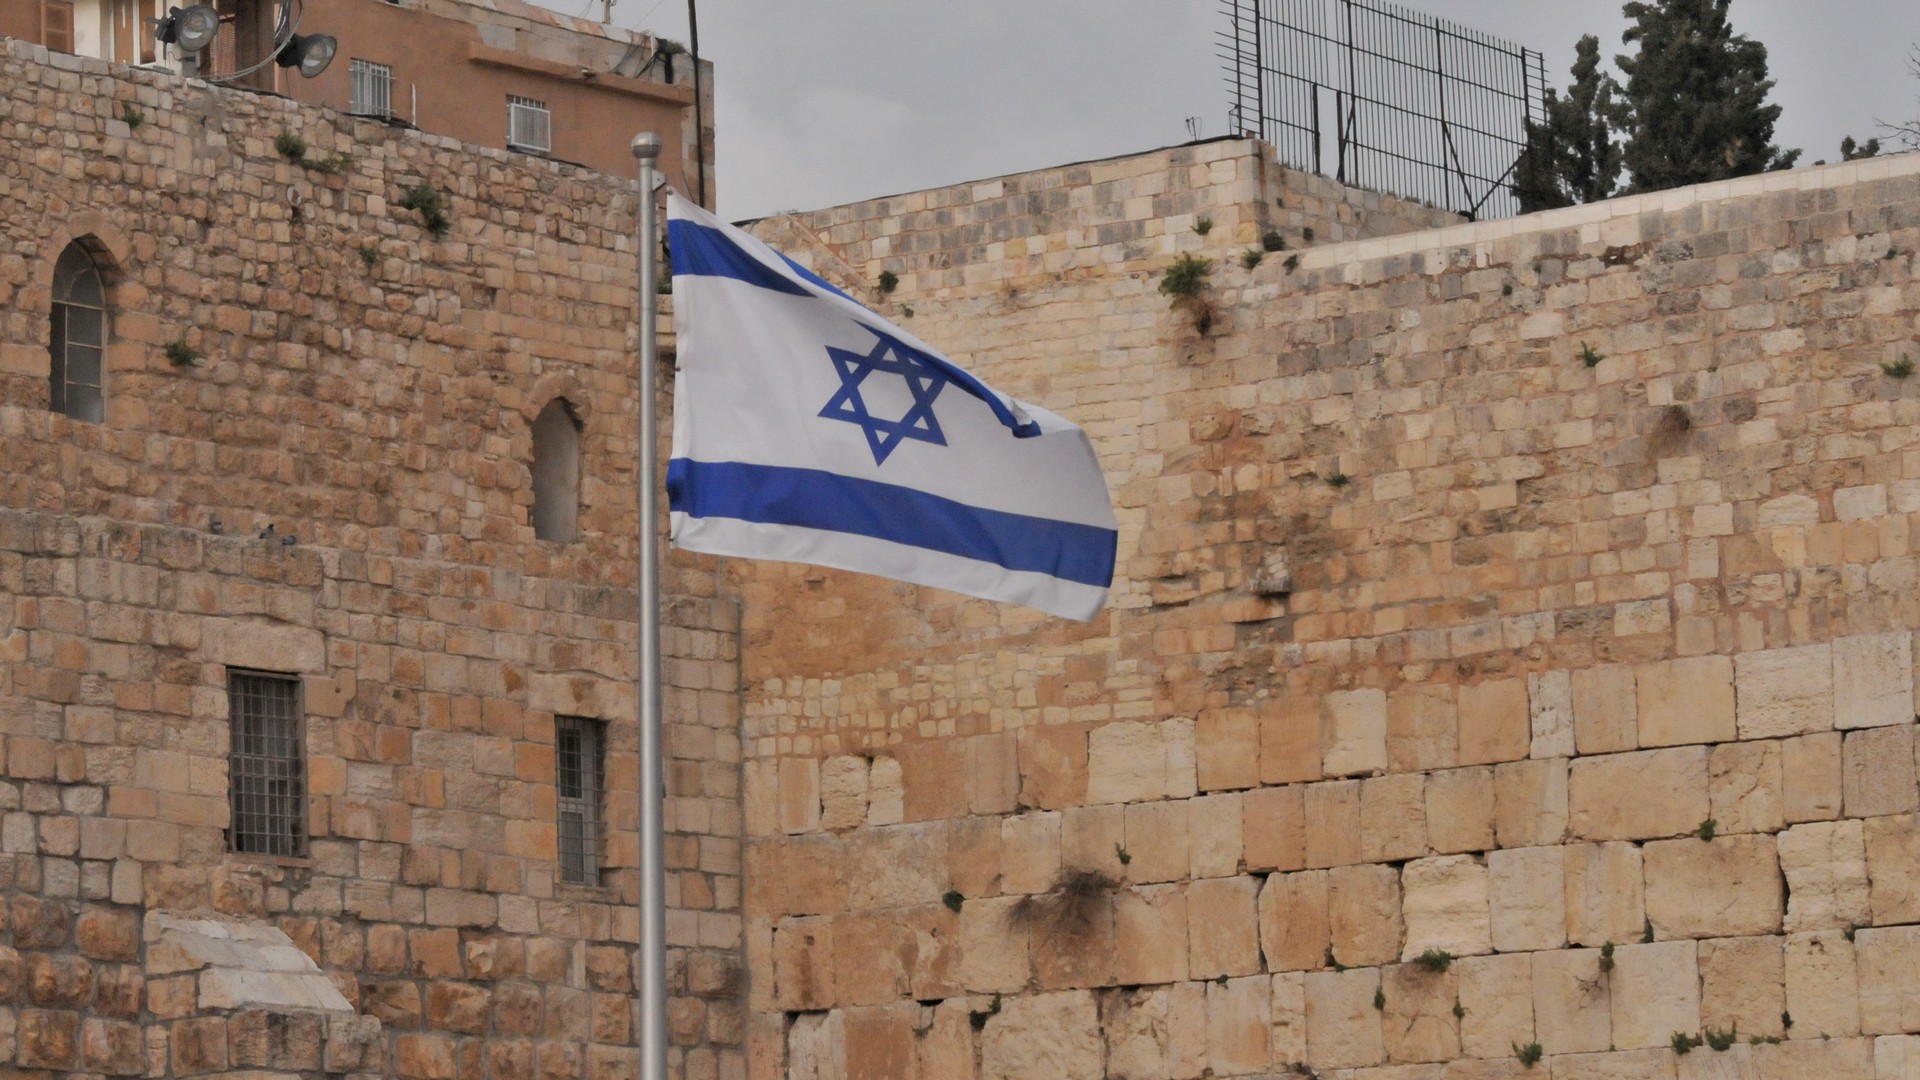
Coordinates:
(266,765)
(1383,97)
(529,125)
(369,88)
(580,764)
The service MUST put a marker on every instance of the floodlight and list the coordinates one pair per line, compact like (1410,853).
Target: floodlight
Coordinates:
(188,29)
(311,53)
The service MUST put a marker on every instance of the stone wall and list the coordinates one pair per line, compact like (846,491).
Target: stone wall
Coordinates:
(335,487)
(1511,657)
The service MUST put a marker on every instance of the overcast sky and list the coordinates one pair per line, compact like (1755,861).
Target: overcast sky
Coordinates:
(824,102)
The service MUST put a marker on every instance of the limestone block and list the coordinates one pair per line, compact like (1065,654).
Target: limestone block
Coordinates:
(1446,907)
(1287,1041)
(1364,914)
(1150,935)
(946,1047)
(1223,927)
(1138,760)
(899,866)
(1092,837)
(1239,1025)
(1550,704)
(993,773)
(1343,1027)
(1823,989)
(1825,864)
(1827,1059)
(817,1047)
(1053,766)
(1530,802)
(799,794)
(760,787)
(886,792)
(1422,728)
(1727,887)
(1494,722)
(1052,1035)
(1155,1031)
(1604,713)
(1785,691)
(1889,957)
(804,875)
(1877,772)
(1689,700)
(1743,984)
(1354,733)
(1417,1022)
(1333,823)
(1273,828)
(1496,993)
(1811,777)
(1294,934)
(1744,787)
(1393,817)
(1227,749)
(1572,1005)
(1072,947)
(243,643)
(973,855)
(1873,680)
(1639,795)
(1623,1065)
(1896,1057)
(1157,843)
(1029,852)
(1214,824)
(1527,889)
(1460,805)
(1290,731)
(1893,868)
(872,959)
(803,958)
(992,960)
(843,792)
(1654,991)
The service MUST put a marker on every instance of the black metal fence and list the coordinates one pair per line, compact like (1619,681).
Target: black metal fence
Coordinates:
(1383,97)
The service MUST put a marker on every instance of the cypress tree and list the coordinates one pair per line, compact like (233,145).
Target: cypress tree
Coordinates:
(1696,95)
(1571,156)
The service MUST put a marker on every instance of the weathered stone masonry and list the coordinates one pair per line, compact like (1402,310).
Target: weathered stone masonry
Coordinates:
(1537,596)
(367,389)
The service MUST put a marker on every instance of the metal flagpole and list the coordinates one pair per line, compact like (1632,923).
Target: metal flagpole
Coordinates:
(653,868)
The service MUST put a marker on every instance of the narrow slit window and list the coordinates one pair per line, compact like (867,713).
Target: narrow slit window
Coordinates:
(266,765)
(556,473)
(78,337)
(580,762)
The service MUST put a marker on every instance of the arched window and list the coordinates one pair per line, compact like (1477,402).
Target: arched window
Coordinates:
(79,337)
(556,472)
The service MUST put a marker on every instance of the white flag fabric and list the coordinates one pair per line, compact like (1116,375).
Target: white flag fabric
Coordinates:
(807,428)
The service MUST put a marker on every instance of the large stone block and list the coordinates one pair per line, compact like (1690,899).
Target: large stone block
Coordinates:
(1446,907)
(1743,787)
(1158,843)
(843,792)
(1689,700)
(1223,927)
(1273,828)
(803,964)
(1157,1031)
(1605,719)
(1743,984)
(1527,889)
(1785,691)
(1294,934)
(1364,919)
(1140,760)
(1239,1025)
(1354,733)
(1053,766)
(799,794)
(1727,887)
(1422,728)
(1654,992)
(1417,1020)
(1530,802)
(1460,810)
(1343,1027)
(992,959)
(1333,823)
(1572,1002)
(1638,796)
(1496,996)
(1287,1041)
(1150,932)
(1227,749)
(1873,680)
(1888,958)
(899,866)
(1393,817)
(1029,852)
(1214,825)
(1893,868)
(1878,772)
(1811,777)
(1290,730)
(1823,992)
(1825,864)
(933,779)
(1550,702)
(1051,1035)
(1495,724)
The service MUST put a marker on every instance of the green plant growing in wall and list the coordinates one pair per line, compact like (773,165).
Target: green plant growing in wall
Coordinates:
(1721,1040)
(1606,957)
(1337,479)
(432,206)
(1203,226)
(1121,854)
(1684,1043)
(1292,263)
(1707,829)
(290,146)
(1588,356)
(979,1017)
(131,116)
(953,899)
(889,281)
(906,311)
(332,164)
(1898,369)
(1186,284)
(1251,257)
(1271,240)
(1528,1055)
(1379,999)
(369,256)
(182,354)
(1306,234)
(1435,960)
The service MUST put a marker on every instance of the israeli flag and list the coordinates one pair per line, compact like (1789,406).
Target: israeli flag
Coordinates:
(807,428)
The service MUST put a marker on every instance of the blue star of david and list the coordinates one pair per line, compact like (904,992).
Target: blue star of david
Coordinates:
(890,356)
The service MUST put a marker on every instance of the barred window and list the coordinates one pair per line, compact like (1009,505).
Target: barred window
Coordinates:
(78,337)
(580,761)
(266,765)
(529,125)
(369,88)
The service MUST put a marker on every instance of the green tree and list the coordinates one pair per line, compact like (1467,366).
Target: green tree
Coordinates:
(1696,92)
(1571,155)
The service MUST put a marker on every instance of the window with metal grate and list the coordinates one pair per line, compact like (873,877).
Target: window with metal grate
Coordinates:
(529,125)
(580,762)
(369,88)
(266,765)
(78,337)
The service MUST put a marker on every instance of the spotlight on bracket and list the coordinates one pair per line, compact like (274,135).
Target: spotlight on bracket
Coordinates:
(311,53)
(188,29)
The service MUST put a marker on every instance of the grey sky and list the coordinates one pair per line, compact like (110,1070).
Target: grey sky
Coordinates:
(828,101)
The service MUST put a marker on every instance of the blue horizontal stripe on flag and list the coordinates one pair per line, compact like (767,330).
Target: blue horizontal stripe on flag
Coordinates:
(813,499)
(698,249)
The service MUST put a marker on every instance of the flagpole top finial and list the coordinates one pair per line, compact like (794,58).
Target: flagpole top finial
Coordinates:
(646,146)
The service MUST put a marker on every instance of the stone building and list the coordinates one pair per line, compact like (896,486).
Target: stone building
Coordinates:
(317,548)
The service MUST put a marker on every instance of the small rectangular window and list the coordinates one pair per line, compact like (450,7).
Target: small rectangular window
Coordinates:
(369,89)
(529,125)
(266,765)
(580,765)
